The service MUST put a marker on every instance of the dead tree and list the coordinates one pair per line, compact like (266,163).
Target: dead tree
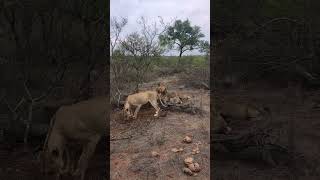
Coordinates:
(142,48)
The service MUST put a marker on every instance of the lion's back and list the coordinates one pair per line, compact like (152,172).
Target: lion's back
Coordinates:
(141,97)
(87,116)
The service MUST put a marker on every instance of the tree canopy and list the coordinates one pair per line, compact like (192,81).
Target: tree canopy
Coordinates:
(182,36)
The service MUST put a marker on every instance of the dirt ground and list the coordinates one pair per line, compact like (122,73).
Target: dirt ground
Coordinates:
(130,153)
(133,141)
(20,163)
(286,104)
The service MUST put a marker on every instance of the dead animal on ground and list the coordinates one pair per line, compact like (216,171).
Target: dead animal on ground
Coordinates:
(83,123)
(242,111)
(143,98)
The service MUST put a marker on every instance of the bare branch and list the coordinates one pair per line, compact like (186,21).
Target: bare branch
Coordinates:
(27,90)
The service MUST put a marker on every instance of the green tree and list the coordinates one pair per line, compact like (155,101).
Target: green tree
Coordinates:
(181,36)
(204,47)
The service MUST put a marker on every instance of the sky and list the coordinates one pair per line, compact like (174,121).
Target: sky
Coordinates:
(197,11)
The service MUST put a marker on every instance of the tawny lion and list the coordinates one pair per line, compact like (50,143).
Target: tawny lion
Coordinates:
(176,98)
(220,125)
(242,111)
(141,98)
(84,122)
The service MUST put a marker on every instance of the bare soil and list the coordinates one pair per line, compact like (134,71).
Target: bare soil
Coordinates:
(130,154)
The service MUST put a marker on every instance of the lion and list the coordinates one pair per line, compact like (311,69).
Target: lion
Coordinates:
(244,111)
(85,123)
(176,98)
(142,98)
(172,97)
(220,125)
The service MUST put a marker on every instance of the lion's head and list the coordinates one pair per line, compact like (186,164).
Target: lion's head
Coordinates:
(52,157)
(161,89)
(126,110)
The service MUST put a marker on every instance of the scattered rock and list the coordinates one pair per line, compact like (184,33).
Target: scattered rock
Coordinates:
(194,167)
(188,160)
(176,149)
(155,154)
(187,139)
(195,150)
(191,167)
(187,171)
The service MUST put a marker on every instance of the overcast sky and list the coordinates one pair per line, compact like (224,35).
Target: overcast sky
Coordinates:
(197,11)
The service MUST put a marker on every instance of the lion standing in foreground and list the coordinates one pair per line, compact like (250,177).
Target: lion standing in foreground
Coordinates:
(85,123)
(141,98)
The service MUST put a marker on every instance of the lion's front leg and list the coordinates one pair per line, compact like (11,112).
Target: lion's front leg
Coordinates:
(86,154)
(136,111)
(66,161)
(156,107)
(69,166)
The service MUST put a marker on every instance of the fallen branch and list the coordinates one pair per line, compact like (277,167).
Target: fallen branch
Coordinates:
(205,85)
(122,138)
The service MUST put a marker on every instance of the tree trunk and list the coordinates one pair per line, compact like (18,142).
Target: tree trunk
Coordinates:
(180,54)
(29,123)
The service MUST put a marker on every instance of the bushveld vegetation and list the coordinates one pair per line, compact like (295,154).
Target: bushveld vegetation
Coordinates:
(140,56)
